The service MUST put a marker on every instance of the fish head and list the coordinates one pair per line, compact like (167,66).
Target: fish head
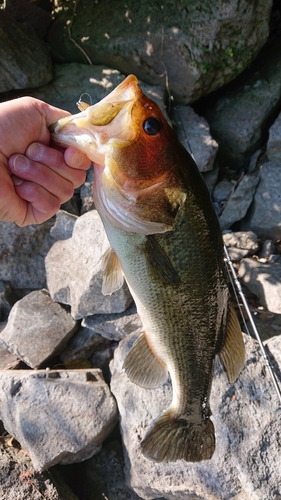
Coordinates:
(134,150)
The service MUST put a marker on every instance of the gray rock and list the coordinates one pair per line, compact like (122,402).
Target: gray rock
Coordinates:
(73,205)
(211,178)
(82,345)
(194,133)
(268,324)
(20,481)
(37,329)
(239,201)
(57,416)
(5,305)
(264,216)
(264,280)
(30,13)
(190,49)
(3,325)
(247,418)
(22,254)
(25,60)
(267,249)
(223,190)
(255,161)
(236,254)
(74,273)
(240,244)
(273,346)
(86,192)
(104,475)
(63,228)
(114,326)
(240,118)
(101,359)
(7,360)
(273,147)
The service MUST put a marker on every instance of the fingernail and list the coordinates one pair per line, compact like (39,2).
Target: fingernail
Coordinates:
(35,151)
(20,163)
(77,159)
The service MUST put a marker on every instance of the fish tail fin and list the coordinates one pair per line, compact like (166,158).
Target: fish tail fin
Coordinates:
(171,438)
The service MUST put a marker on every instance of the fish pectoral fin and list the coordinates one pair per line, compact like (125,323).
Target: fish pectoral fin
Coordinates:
(112,272)
(143,367)
(232,354)
(161,267)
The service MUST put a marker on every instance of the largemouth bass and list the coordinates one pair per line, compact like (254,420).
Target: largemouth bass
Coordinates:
(166,240)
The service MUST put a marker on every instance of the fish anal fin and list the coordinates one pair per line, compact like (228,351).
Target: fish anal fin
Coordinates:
(160,263)
(112,272)
(143,367)
(171,438)
(232,354)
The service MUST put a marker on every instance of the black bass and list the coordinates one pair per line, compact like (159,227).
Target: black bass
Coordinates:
(166,240)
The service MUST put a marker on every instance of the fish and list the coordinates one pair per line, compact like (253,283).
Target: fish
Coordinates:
(165,240)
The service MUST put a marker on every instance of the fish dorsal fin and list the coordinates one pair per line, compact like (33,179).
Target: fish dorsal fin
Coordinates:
(157,259)
(232,354)
(143,367)
(112,272)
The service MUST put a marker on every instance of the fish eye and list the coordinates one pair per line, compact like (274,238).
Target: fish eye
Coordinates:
(151,126)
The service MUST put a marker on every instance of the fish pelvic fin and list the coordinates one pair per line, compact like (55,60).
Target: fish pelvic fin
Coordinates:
(171,438)
(112,272)
(232,354)
(143,367)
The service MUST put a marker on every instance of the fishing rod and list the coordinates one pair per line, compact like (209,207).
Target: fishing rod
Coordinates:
(236,283)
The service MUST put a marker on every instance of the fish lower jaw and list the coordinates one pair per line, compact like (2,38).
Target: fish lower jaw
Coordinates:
(81,140)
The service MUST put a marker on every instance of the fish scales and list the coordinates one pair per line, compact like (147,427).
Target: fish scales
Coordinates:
(165,239)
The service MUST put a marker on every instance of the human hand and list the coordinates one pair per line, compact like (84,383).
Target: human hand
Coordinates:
(35,178)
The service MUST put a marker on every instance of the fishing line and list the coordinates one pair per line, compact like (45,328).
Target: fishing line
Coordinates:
(81,105)
(237,286)
(251,319)
(237,299)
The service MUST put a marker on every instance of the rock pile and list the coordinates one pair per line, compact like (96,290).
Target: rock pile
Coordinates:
(62,343)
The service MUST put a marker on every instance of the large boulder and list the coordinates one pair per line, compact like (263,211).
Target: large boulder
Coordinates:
(25,60)
(194,47)
(57,416)
(239,200)
(264,280)
(22,254)
(74,274)
(246,415)
(240,116)
(273,147)
(194,133)
(37,329)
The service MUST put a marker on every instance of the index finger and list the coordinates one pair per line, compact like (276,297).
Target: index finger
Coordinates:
(51,113)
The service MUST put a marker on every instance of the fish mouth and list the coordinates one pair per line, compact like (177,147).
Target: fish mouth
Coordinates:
(109,121)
